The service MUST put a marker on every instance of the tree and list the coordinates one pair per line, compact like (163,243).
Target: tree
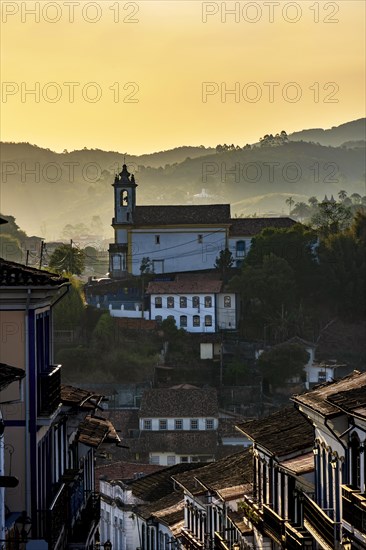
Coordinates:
(146,265)
(67,258)
(290,201)
(282,362)
(356,198)
(104,332)
(224,262)
(69,312)
(10,248)
(342,194)
(331,217)
(313,201)
(301,210)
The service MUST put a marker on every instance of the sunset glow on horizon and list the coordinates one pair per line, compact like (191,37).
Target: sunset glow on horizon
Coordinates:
(148,76)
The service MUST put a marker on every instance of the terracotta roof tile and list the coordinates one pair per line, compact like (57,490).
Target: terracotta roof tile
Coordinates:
(248,227)
(14,274)
(212,214)
(230,471)
(94,430)
(80,398)
(324,400)
(281,433)
(123,471)
(9,374)
(177,403)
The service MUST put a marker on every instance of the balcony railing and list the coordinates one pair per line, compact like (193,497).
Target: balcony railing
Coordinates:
(319,524)
(65,509)
(354,508)
(297,538)
(189,540)
(273,524)
(88,519)
(49,390)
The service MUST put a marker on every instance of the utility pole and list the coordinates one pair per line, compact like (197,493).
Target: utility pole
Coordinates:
(27,259)
(41,257)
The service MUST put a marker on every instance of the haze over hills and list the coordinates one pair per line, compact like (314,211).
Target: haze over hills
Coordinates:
(45,190)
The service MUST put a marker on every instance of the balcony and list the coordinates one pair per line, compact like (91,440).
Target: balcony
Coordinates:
(354,508)
(320,526)
(57,522)
(189,541)
(49,391)
(251,511)
(297,538)
(88,519)
(273,524)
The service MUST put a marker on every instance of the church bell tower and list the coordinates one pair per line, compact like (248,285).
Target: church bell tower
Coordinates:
(124,207)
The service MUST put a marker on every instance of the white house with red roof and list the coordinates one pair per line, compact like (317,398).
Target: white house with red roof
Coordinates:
(197,303)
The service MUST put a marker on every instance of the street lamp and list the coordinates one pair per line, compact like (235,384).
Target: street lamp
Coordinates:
(107,545)
(25,524)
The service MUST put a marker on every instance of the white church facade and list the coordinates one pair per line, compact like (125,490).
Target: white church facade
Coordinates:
(178,238)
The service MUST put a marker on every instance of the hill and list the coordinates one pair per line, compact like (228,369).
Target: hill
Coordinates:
(46,190)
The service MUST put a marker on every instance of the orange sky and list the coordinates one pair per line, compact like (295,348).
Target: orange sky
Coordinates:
(158,55)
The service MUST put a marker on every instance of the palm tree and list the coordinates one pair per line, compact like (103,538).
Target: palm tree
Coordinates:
(301,210)
(290,201)
(342,194)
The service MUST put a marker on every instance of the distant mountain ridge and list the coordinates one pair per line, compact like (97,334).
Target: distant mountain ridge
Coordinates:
(46,190)
(335,136)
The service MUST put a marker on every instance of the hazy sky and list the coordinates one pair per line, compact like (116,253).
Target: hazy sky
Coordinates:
(151,75)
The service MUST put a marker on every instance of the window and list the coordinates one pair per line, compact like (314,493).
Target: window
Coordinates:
(158,319)
(240,249)
(158,302)
(182,301)
(209,424)
(208,301)
(227,301)
(200,239)
(171,460)
(208,320)
(183,321)
(178,424)
(147,425)
(322,377)
(163,424)
(171,317)
(194,424)
(170,301)
(196,301)
(157,239)
(184,459)
(196,320)
(154,459)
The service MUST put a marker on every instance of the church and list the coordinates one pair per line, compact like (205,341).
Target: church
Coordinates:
(175,239)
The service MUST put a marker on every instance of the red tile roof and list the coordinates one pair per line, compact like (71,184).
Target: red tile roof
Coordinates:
(94,430)
(210,214)
(248,227)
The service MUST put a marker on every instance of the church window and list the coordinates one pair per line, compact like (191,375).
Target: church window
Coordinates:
(157,239)
(124,197)
(182,301)
(196,301)
(158,302)
(170,302)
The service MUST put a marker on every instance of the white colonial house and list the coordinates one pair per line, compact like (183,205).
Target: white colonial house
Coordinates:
(179,425)
(196,302)
(176,238)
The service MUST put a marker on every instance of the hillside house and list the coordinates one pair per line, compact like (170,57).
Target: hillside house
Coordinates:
(197,303)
